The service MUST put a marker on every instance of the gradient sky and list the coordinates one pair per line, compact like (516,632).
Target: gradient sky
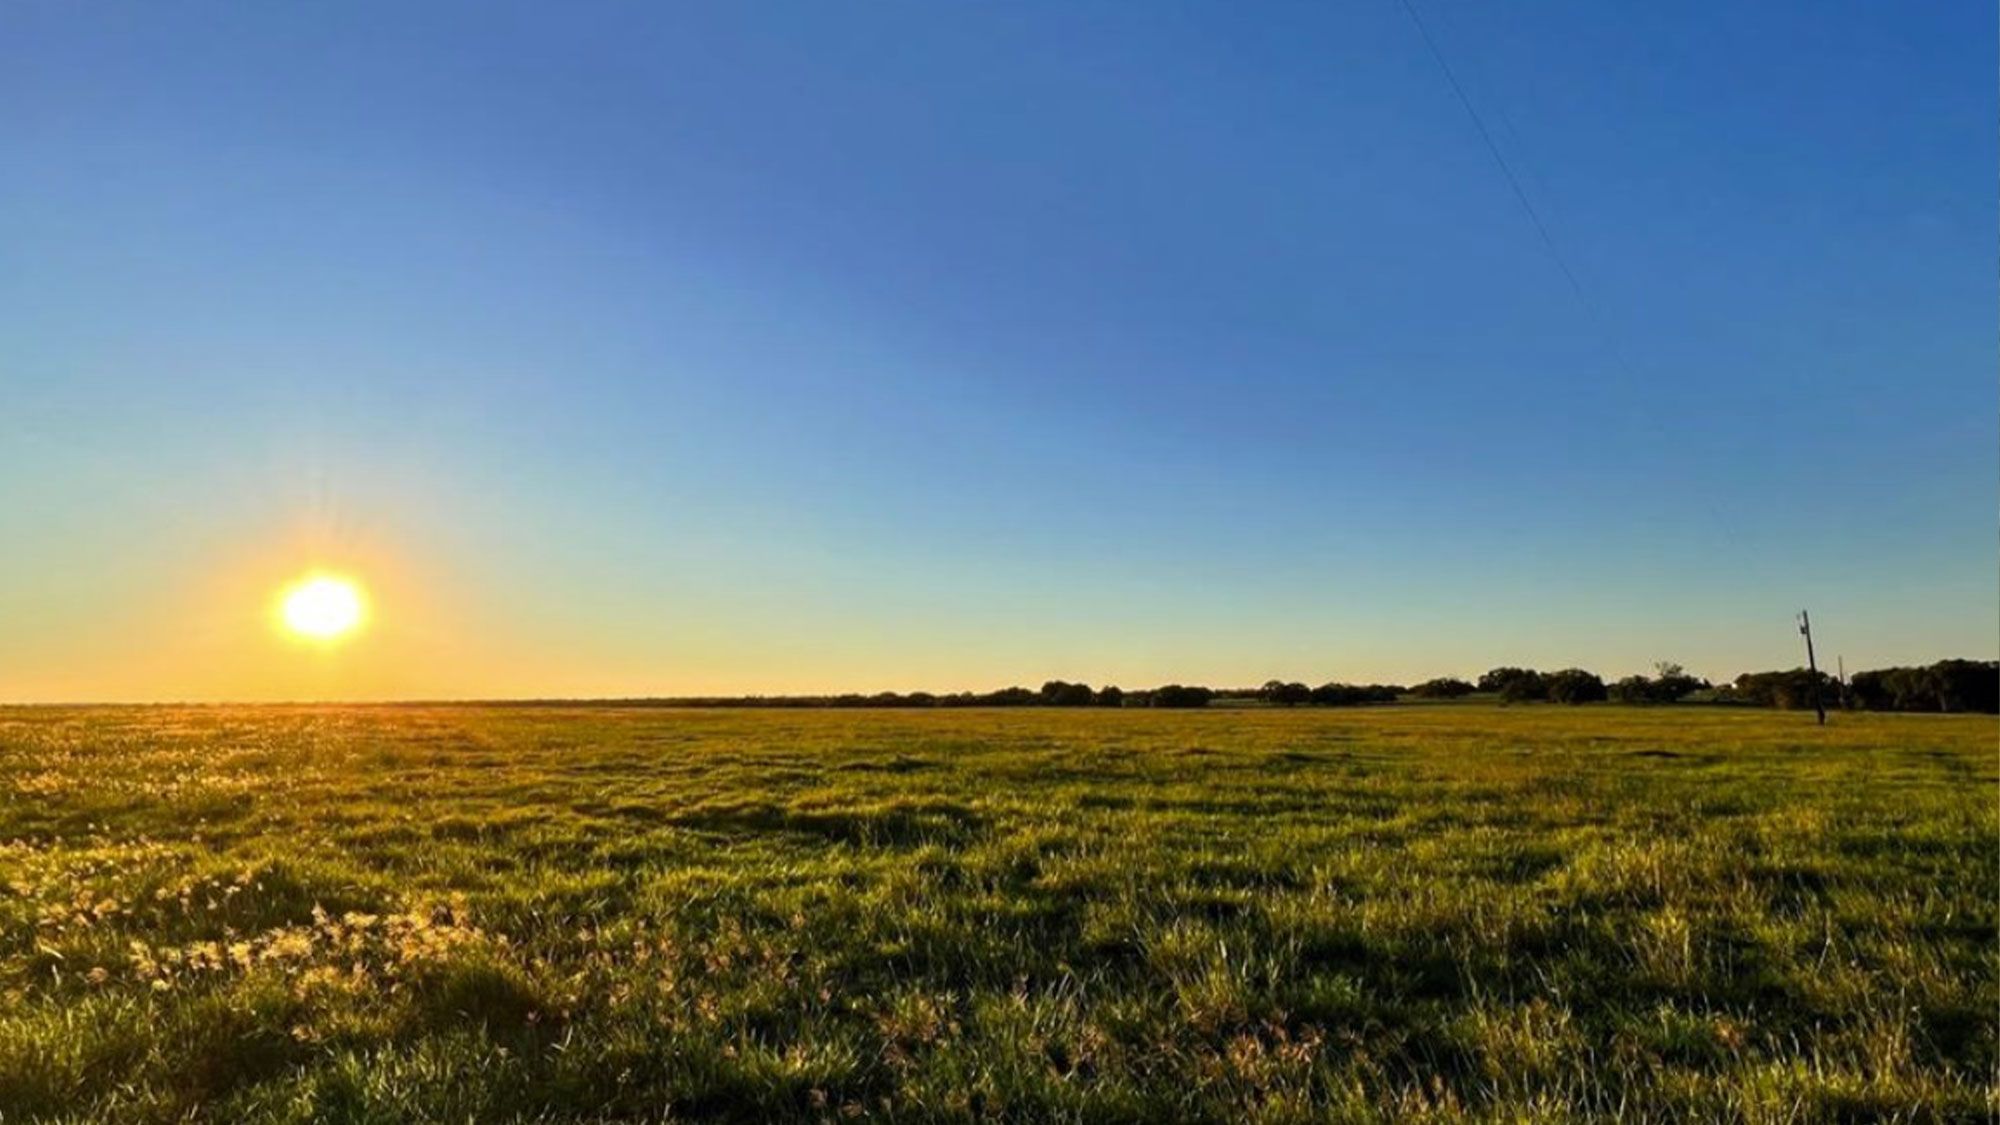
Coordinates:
(653,349)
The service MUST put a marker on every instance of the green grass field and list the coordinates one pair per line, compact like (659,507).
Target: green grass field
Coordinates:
(1453,912)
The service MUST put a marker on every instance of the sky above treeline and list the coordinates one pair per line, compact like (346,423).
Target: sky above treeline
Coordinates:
(623,349)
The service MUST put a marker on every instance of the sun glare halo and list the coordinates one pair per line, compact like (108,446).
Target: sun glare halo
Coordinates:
(323,607)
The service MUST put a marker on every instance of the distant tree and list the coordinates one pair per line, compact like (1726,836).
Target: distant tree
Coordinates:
(1284,694)
(1948,685)
(1353,695)
(1442,688)
(1671,683)
(1057,693)
(1010,697)
(1789,691)
(1574,685)
(1110,695)
(1965,685)
(1631,689)
(1177,695)
(1515,685)
(1869,691)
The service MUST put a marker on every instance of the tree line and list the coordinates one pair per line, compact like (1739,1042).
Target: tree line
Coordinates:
(1948,685)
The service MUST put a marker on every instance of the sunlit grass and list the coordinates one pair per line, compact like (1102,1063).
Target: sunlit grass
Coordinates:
(1444,913)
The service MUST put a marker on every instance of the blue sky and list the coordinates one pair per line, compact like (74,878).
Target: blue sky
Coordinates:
(628,349)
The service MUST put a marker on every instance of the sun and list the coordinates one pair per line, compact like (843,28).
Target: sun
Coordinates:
(322,607)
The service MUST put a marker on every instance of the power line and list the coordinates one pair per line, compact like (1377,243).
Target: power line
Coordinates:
(1500,159)
(1606,339)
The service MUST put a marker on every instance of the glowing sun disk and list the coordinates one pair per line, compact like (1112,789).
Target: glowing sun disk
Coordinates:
(322,607)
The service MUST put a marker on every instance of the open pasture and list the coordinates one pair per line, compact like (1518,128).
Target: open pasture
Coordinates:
(1452,912)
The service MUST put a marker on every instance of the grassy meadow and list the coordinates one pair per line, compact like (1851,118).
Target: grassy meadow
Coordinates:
(1452,912)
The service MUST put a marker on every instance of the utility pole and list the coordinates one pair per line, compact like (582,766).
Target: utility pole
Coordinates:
(1819,701)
